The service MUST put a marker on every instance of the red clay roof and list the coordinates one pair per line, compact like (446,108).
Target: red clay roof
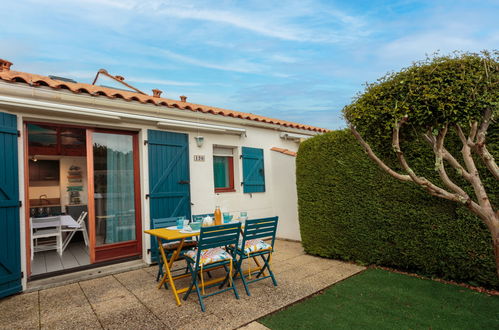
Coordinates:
(284,151)
(78,88)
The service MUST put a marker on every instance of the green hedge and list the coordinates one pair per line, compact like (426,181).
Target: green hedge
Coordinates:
(351,210)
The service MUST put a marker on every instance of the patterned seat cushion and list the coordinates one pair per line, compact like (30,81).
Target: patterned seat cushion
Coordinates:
(174,245)
(209,256)
(254,245)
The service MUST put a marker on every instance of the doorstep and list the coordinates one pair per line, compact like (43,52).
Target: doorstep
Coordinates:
(82,275)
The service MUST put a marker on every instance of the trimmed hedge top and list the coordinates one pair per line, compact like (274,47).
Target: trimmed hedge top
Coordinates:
(349,209)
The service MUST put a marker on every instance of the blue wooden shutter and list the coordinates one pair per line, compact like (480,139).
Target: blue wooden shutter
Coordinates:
(169,186)
(10,255)
(253,170)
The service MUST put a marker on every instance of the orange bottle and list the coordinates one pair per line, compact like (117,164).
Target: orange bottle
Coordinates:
(218,216)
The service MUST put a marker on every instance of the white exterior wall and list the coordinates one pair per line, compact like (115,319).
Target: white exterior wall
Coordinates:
(22,209)
(285,198)
(202,180)
(279,199)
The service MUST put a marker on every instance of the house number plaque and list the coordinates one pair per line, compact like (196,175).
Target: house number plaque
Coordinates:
(199,158)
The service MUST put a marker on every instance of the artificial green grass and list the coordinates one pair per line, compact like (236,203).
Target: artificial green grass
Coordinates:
(378,299)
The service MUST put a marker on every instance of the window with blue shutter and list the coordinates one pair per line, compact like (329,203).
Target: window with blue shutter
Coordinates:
(223,169)
(253,170)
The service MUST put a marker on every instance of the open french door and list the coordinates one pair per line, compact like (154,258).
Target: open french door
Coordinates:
(113,195)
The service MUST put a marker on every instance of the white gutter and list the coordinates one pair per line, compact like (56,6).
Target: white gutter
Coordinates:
(54,107)
(112,115)
(293,136)
(177,123)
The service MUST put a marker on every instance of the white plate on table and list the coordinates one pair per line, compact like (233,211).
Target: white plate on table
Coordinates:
(184,231)
(173,228)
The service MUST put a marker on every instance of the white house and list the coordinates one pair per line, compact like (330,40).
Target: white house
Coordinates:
(126,157)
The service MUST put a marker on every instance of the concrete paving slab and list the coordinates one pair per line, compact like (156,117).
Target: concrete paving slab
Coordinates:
(152,270)
(280,266)
(297,273)
(140,284)
(20,312)
(63,297)
(208,321)
(66,307)
(254,326)
(77,318)
(177,316)
(131,299)
(284,256)
(103,289)
(127,316)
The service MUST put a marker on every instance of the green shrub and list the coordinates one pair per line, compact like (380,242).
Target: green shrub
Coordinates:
(349,209)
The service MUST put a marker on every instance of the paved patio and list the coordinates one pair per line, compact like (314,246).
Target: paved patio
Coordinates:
(131,300)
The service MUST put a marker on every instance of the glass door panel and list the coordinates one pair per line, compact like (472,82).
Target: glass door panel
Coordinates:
(42,140)
(113,165)
(72,141)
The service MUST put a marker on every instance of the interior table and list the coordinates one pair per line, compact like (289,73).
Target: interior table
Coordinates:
(57,220)
(51,227)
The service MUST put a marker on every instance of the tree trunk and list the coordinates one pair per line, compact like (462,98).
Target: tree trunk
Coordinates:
(496,251)
(495,242)
(492,222)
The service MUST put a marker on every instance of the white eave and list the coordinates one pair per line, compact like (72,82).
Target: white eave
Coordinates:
(57,108)
(45,100)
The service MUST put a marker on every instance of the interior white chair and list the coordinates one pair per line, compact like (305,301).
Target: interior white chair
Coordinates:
(48,236)
(72,231)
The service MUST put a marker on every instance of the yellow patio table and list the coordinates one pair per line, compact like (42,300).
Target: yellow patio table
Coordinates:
(176,235)
(171,235)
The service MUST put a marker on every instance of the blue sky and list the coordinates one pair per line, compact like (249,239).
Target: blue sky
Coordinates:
(295,60)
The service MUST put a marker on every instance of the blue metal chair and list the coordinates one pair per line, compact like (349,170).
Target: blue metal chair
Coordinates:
(200,217)
(253,246)
(212,253)
(169,246)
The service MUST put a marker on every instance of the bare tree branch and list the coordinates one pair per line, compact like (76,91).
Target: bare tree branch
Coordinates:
(476,182)
(448,157)
(483,208)
(473,130)
(489,160)
(482,131)
(429,138)
(422,181)
(480,148)
(375,158)
(438,147)
(461,135)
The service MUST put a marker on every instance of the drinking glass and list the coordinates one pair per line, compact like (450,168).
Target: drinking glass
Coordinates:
(226,217)
(243,217)
(180,222)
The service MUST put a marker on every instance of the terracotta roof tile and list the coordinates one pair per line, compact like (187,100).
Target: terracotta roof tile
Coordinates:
(284,151)
(82,88)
